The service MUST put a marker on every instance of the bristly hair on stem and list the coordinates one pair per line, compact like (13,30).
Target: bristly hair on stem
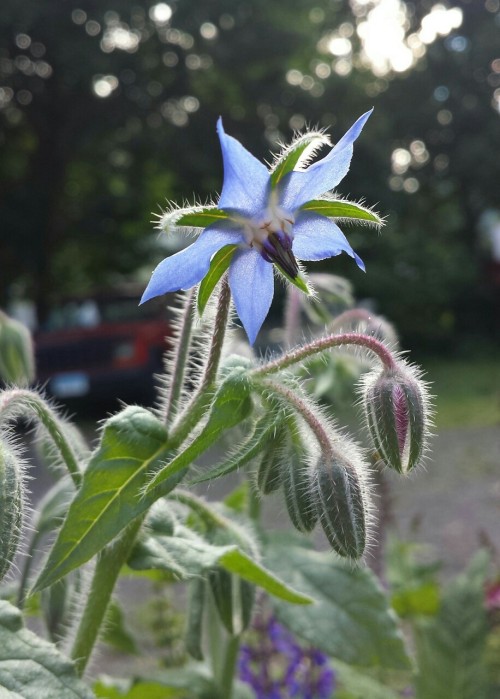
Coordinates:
(176,359)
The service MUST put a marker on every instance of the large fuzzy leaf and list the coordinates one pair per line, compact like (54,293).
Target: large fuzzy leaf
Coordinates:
(231,405)
(188,555)
(32,668)
(133,446)
(351,619)
(451,647)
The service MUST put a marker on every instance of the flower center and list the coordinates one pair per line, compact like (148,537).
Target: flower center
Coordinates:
(272,235)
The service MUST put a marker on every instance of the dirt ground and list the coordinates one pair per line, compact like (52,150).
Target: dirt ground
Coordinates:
(455,501)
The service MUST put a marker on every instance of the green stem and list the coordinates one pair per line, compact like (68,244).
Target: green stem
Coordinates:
(229,666)
(326,343)
(179,358)
(106,573)
(16,401)
(199,402)
(305,410)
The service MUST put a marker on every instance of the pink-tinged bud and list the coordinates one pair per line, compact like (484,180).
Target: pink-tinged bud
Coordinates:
(342,501)
(396,410)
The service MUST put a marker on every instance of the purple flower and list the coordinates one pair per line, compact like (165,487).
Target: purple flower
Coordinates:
(277,667)
(265,220)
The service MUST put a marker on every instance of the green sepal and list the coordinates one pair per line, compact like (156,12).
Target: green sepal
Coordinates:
(298,281)
(201,218)
(293,154)
(340,208)
(219,264)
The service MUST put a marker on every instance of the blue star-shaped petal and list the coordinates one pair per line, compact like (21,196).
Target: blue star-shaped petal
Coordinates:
(271,220)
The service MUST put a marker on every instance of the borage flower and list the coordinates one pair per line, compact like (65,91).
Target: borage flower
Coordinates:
(264,220)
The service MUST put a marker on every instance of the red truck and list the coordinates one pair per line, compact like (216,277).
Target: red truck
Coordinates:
(103,346)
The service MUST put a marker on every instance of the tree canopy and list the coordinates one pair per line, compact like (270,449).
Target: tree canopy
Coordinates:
(108,110)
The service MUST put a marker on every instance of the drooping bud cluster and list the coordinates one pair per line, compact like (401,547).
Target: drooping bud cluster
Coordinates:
(396,407)
(323,480)
(11,505)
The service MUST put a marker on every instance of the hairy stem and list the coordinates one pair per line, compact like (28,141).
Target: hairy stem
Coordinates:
(106,572)
(220,327)
(326,343)
(292,316)
(199,402)
(304,410)
(179,359)
(18,401)
(228,668)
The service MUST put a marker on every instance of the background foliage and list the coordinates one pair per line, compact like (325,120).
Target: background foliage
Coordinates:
(108,109)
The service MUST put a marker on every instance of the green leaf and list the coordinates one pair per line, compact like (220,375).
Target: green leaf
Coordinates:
(201,217)
(189,682)
(351,619)
(219,264)
(133,445)
(339,208)
(294,153)
(360,685)
(264,431)
(189,555)
(230,406)
(32,668)
(451,647)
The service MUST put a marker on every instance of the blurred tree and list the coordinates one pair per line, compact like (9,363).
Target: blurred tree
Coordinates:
(107,111)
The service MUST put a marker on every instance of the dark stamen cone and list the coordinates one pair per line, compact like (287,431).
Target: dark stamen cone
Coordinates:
(278,249)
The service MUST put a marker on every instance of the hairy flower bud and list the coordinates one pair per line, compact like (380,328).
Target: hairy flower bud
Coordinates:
(296,478)
(396,410)
(268,477)
(17,364)
(11,505)
(341,500)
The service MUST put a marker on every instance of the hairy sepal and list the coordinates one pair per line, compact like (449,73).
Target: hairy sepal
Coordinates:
(342,209)
(298,154)
(190,217)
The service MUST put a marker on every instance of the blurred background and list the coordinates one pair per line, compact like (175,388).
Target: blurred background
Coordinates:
(108,110)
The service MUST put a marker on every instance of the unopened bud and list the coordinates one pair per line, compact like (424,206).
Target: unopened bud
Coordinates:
(17,364)
(396,410)
(269,470)
(297,488)
(341,501)
(11,506)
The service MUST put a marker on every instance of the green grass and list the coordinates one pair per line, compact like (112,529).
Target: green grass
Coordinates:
(467,393)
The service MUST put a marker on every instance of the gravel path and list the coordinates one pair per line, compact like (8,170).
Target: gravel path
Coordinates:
(456,499)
